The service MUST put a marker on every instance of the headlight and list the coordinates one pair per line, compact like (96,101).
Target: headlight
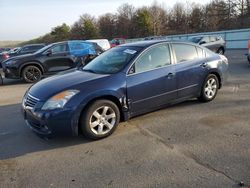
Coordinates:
(59,100)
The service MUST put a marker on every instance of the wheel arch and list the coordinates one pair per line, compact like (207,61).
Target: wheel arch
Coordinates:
(109,97)
(218,77)
(221,47)
(32,63)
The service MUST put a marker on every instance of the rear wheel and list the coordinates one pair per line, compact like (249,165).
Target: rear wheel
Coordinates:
(31,74)
(209,89)
(100,119)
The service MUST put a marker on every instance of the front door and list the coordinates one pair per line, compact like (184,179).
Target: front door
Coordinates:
(58,58)
(151,80)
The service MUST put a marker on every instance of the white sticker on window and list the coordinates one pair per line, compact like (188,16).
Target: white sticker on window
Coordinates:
(128,51)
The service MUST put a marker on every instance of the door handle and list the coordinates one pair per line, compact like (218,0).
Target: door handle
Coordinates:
(204,65)
(170,75)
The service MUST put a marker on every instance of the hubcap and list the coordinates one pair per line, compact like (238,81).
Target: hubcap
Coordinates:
(32,74)
(102,120)
(210,88)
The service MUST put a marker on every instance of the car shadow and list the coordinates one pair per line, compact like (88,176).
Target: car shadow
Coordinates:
(16,139)
(7,82)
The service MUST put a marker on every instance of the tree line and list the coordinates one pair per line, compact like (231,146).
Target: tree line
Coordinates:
(131,22)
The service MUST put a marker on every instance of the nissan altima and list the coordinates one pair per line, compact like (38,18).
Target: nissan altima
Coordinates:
(123,82)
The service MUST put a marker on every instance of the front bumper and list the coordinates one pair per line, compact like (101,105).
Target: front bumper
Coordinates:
(50,123)
(11,72)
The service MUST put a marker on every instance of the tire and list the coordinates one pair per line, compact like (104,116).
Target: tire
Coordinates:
(248,57)
(221,51)
(1,79)
(104,115)
(31,74)
(209,88)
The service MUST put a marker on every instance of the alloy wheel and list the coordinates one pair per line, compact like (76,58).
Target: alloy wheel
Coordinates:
(102,120)
(210,88)
(32,74)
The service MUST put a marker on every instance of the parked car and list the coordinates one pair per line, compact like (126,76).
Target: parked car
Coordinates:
(156,38)
(1,79)
(27,49)
(214,43)
(121,83)
(103,43)
(248,55)
(49,60)
(117,41)
(4,50)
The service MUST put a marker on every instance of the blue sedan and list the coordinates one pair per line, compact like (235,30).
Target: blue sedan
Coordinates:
(121,83)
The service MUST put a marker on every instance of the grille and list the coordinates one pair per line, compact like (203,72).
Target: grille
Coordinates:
(30,101)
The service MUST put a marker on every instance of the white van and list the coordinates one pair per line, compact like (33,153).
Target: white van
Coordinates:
(103,43)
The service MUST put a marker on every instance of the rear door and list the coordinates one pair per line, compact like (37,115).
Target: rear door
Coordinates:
(151,81)
(190,69)
(57,58)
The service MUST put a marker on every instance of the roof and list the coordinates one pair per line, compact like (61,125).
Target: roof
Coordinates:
(148,43)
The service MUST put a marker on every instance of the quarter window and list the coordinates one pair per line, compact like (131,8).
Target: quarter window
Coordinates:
(185,52)
(156,57)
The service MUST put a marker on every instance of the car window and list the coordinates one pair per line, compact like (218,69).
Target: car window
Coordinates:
(26,49)
(59,48)
(205,39)
(185,52)
(195,39)
(155,57)
(212,39)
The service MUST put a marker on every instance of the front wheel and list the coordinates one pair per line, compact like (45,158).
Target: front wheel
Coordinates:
(31,74)
(221,51)
(209,89)
(100,119)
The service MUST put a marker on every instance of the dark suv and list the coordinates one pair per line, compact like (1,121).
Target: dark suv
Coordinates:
(27,49)
(50,60)
(214,43)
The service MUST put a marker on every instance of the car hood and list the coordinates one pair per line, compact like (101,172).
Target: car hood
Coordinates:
(48,87)
(18,57)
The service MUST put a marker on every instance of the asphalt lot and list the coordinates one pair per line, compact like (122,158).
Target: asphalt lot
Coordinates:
(190,144)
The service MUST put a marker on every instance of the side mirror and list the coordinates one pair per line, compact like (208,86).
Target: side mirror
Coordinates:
(202,42)
(48,53)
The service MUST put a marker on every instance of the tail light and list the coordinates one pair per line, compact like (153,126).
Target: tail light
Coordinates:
(6,56)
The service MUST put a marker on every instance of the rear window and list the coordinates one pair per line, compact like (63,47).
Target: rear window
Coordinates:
(185,52)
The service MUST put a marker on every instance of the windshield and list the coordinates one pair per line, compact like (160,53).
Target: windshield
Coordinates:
(113,60)
(195,39)
(43,49)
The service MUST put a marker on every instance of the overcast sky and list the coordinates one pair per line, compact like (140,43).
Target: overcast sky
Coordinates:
(27,19)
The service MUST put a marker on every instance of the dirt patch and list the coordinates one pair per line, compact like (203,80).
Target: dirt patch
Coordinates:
(8,172)
(217,120)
